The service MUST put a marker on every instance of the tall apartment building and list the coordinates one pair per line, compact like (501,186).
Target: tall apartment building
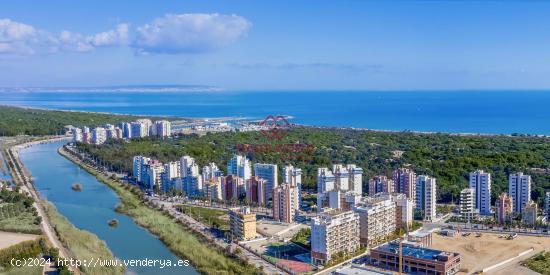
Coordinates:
(172,171)
(138,166)
(139,130)
(126,130)
(293,175)
(504,208)
(212,188)
(404,211)
(77,135)
(163,128)
(233,187)
(191,177)
(426,196)
(480,181)
(529,214)
(99,135)
(285,202)
(381,184)
(269,173)
(519,188)
(154,174)
(146,126)
(468,209)
(341,177)
(210,171)
(355,179)
(255,190)
(333,232)
(86,135)
(405,182)
(376,220)
(242,223)
(239,166)
(547,206)
(325,180)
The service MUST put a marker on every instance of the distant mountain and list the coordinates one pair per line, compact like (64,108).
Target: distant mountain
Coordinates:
(124,89)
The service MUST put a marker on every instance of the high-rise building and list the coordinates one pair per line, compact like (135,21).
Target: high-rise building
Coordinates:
(341,177)
(293,175)
(529,214)
(480,181)
(242,223)
(355,179)
(504,208)
(172,171)
(405,182)
(380,184)
(285,202)
(210,171)
(239,166)
(547,206)
(162,128)
(426,197)
(519,188)
(332,233)
(325,180)
(213,188)
(77,135)
(99,135)
(468,209)
(255,190)
(154,174)
(126,130)
(233,187)
(376,220)
(191,177)
(138,170)
(139,130)
(269,173)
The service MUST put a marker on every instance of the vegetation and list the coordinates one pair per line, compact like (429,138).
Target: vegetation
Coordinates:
(22,250)
(204,256)
(17,121)
(302,238)
(449,158)
(82,245)
(210,217)
(17,213)
(540,263)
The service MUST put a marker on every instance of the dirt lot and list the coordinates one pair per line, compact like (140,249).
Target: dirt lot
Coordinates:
(481,252)
(9,239)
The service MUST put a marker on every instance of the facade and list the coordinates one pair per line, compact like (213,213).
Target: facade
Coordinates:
(269,173)
(355,179)
(381,184)
(519,188)
(162,128)
(504,208)
(405,182)
(468,209)
(210,171)
(529,213)
(285,203)
(212,188)
(77,135)
(139,130)
(293,175)
(426,195)
(416,260)
(376,220)
(126,130)
(325,180)
(255,190)
(191,177)
(333,232)
(480,181)
(242,223)
(232,187)
(239,166)
(99,135)
(138,167)
(341,177)
(154,174)
(404,211)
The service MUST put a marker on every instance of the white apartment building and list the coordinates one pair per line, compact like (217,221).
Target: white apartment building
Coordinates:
(426,196)
(239,166)
(325,180)
(377,217)
(480,181)
(139,130)
(213,188)
(99,135)
(269,173)
(285,203)
(333,232)
(468,209)
(355,179)
(210,171)
(405,182)
(162,128)
(77,135)
(154,175)
(192,180)
(139,163)
(341,177)
(293,175)
(381,184)
(126,130)
(519,188)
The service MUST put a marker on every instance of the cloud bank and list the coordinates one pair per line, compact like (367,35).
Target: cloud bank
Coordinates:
(190,33)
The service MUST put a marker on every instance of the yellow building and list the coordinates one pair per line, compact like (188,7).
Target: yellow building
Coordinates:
(242,223)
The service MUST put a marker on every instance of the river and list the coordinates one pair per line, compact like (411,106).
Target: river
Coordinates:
(93,207)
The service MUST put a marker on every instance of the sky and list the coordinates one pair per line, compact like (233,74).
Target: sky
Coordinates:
(277,45)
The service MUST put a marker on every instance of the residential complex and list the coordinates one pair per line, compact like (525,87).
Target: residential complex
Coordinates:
(504,208)
(480,181)
(285,202)
(293,175)
(426,197)
(333,232)
(137,129)
(239,166)
(242,223)
(519,188)
(376,220)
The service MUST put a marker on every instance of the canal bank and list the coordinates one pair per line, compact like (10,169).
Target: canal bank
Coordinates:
(92,208)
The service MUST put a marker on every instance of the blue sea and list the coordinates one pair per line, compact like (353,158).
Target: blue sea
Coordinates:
(491,112)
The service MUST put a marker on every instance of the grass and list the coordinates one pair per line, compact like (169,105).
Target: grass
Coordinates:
(24,222)
(24,270)
(207,216)
(540,263)
(81,244)
(204,257)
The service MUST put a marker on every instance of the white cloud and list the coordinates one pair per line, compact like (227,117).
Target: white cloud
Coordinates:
(179,33)
(22,39)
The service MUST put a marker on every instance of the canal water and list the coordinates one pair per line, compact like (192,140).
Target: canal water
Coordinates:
(93,207)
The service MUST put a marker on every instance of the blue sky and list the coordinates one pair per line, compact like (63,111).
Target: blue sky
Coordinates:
(271,45)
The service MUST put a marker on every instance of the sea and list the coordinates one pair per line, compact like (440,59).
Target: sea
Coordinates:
(485,112)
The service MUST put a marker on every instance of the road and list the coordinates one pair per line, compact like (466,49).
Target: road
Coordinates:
(22,177)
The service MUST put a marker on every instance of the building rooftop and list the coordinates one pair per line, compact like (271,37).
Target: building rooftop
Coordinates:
(415,252)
